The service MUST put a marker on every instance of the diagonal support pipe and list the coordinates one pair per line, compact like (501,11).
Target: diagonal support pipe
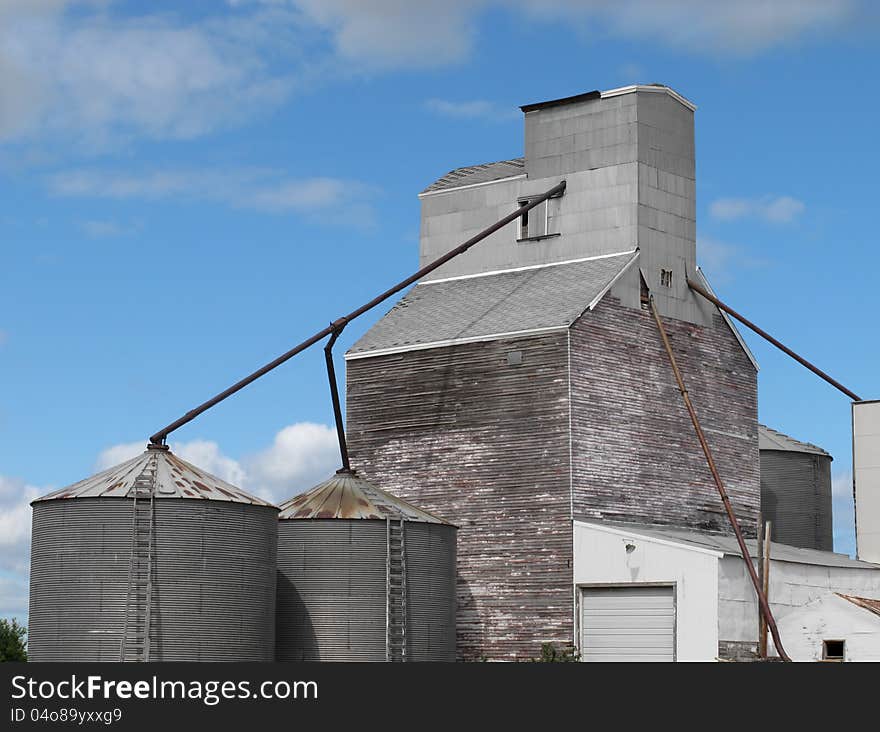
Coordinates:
(334,395)
(719,484)
(159,437)
(766,336)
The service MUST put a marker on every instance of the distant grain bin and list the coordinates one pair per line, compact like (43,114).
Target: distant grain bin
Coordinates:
(796,490)
(152,560)
(363,576)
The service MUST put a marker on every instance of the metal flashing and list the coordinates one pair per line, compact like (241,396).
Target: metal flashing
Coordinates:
(528,267)
(656,88)
(585,97)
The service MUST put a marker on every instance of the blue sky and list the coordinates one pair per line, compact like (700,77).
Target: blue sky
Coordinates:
(184,194)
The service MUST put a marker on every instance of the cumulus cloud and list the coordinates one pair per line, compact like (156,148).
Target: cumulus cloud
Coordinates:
(397,33)
(15,534)
(100,71)
(14,593)
(248,188)
(774,209)
(88,71)
(389,33)
(475,109)
(300,456)
(743,27)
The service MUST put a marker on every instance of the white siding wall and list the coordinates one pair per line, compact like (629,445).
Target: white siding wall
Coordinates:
(600,558)
(792,586)
(866,466)
(830,618)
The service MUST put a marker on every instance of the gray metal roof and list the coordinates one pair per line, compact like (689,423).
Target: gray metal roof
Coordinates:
(480,307)
(727,544)
(770,439)
(164,472)
(345,495)
(478,174)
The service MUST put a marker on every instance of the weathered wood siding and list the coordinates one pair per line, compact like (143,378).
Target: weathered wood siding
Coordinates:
(459,432)
(635,455)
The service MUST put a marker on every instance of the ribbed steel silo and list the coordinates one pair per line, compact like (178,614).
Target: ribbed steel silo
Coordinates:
(796,490)
(155,560)
(363,576)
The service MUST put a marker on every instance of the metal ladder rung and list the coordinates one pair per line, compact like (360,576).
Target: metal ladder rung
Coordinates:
(395,585)
(135,645)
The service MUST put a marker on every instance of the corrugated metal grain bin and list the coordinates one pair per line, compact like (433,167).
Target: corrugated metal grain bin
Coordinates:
(153,560)
(796,490)
(363,576)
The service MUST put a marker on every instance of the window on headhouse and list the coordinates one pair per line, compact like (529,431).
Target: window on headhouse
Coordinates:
(536,223)
(833,650)
(666,277)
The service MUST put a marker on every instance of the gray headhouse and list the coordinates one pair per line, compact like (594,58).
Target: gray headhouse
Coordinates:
(530,376)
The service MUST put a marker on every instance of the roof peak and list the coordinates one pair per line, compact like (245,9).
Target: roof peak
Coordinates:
(166,475)
(770,439)
(345,495)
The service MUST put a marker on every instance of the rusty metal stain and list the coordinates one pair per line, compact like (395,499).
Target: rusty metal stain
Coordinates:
(863,602)
(174,478)
(347,496)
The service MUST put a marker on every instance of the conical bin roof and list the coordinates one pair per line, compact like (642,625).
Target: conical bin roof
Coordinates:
(168,475)
(348,496)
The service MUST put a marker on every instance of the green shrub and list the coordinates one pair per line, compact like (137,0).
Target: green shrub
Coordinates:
(13,643)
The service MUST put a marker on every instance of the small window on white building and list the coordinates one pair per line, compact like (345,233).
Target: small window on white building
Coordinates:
(833,650)
(666,277)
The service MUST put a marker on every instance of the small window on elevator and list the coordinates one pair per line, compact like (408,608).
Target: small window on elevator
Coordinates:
(539,222)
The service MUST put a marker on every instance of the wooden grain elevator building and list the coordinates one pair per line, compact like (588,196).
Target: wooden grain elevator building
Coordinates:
(522,389)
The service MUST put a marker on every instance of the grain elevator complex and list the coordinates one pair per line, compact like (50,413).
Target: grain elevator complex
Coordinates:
(522,468)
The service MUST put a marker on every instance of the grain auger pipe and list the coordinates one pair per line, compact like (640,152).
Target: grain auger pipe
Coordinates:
(719,484)
(766,336)
(334,396)
(162,435)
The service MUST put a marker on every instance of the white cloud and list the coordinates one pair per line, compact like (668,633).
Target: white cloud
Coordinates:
(14,593)
(91,73)
(774,209)
(300,456)
(15,523)
(249,188)
(393,33)
(204,454)
(476,109)
(102,72)
(746,26)
(118,454)
(397,33)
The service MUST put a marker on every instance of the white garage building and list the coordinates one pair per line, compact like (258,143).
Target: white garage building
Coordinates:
(662,593)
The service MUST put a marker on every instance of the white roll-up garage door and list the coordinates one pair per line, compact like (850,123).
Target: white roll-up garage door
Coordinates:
(627,624)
